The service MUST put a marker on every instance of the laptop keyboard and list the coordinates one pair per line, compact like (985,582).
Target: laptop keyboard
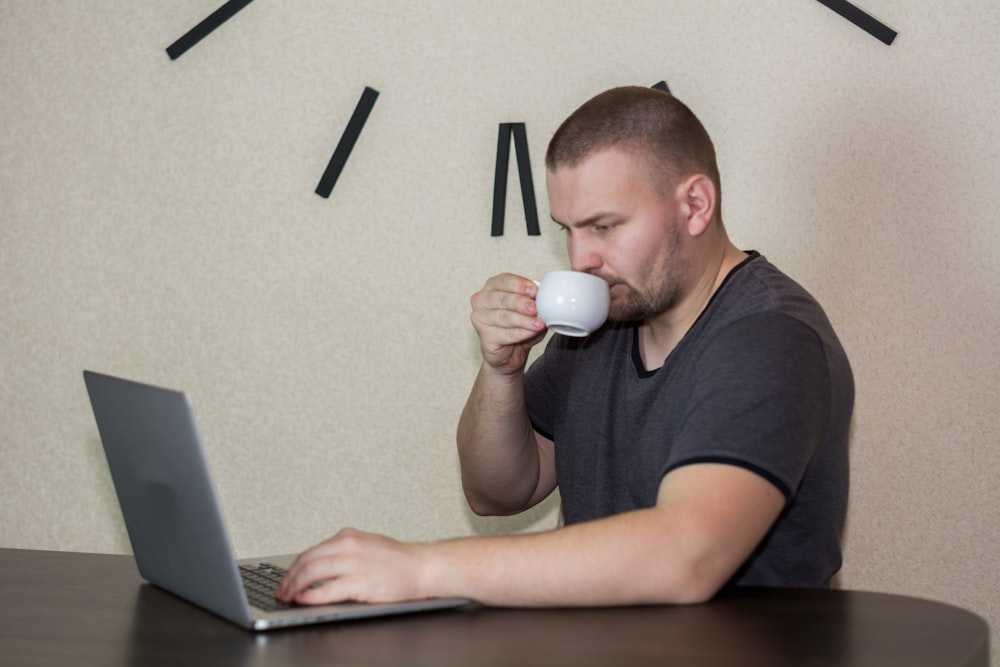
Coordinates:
(260,583)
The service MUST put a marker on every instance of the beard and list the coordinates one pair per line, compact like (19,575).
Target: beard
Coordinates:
(639,306)
(662,291)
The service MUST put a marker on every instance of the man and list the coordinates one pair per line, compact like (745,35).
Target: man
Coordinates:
(699,439)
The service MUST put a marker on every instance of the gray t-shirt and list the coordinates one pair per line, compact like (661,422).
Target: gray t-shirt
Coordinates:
(760,381)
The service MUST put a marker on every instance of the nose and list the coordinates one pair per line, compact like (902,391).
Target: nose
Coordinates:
(583,256)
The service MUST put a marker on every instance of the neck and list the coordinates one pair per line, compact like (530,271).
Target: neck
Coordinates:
(658,336)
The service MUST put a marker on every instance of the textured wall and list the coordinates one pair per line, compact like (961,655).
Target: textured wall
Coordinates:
(158,221)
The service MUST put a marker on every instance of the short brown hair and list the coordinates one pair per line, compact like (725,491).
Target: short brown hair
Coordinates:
(653,123)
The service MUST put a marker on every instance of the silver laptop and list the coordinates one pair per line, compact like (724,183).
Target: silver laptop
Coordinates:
(174,520)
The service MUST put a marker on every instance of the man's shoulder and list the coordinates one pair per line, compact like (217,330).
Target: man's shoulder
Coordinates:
(757,286)
(758,274)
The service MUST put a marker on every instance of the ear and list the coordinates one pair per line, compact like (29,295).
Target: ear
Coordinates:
(697,197)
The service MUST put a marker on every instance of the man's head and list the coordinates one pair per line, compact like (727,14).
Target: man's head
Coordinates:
(632,180)
(649,123)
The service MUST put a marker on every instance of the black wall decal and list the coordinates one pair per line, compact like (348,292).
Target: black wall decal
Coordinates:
(862,19)
(662,85)
(203,29)
(347,141)
(520,134)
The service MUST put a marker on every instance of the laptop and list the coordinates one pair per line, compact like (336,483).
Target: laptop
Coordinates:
(174,519)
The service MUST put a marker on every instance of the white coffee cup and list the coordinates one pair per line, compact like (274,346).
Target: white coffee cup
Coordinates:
(573,303)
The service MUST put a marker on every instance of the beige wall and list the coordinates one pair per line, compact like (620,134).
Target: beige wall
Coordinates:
(158,221)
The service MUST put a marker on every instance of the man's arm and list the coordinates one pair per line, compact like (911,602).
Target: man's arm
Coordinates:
(708,519)
(506,466)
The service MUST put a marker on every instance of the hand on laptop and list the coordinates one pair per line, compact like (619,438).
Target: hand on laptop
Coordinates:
(354,565)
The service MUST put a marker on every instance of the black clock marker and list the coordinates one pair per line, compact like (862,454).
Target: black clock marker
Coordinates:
(862,19)
(662,85)
(203,29)
(520,135)
(347,141)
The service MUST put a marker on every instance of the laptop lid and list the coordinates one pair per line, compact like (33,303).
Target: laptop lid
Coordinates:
(171,511)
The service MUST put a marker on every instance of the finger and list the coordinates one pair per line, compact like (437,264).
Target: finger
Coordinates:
(499,301)
(326,592)
(513,283)
(506,292)
(309,574)
(312,565)
(513,325)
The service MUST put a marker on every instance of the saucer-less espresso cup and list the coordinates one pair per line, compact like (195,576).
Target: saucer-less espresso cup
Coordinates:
(572,303)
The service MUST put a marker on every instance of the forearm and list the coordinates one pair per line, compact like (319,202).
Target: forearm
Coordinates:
(631,558)
(707,521)
(497,448)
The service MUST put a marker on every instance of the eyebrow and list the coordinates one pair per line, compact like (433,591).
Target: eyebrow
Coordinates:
(588,221)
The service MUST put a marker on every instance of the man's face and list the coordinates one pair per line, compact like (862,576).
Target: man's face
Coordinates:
(620,226)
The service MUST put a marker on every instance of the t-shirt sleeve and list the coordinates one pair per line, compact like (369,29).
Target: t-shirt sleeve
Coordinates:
(762,402)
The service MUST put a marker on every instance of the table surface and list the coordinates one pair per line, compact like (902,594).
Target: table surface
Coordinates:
(63,608)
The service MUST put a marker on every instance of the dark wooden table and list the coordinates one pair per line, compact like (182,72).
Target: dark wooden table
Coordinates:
(88,609)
